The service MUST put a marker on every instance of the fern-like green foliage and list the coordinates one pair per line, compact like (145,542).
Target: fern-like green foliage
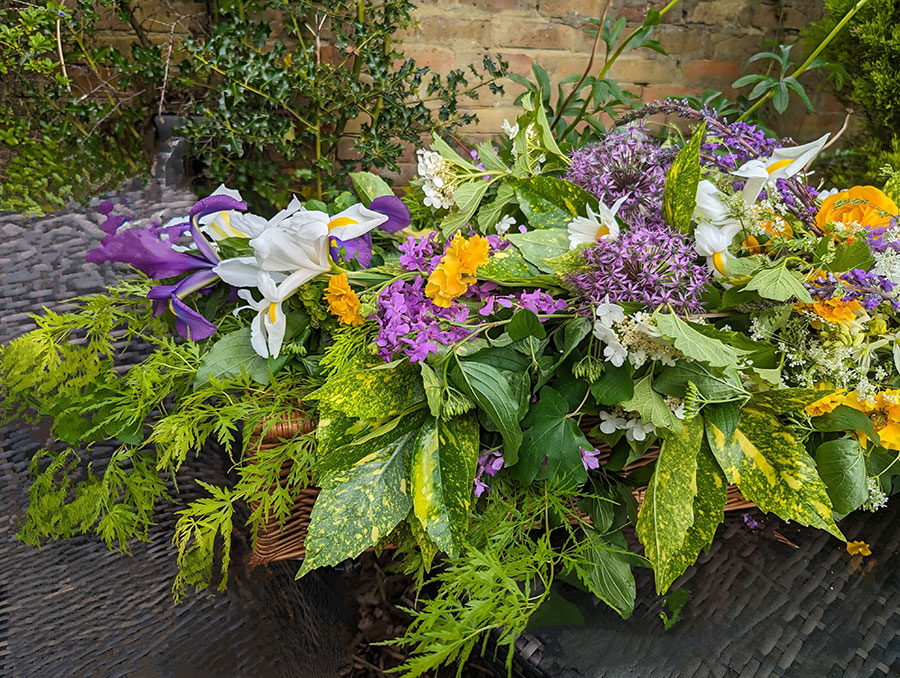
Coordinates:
(353,348)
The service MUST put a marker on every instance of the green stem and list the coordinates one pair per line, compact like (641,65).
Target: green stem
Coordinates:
(816,52)
(624,43)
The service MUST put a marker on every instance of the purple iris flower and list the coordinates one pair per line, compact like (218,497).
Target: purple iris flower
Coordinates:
(360,248)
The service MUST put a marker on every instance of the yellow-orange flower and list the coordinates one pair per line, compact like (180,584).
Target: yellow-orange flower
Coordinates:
(883,410)
(824,405)
(866,206)
(858,548)
(836,311)
(457,270)
(342,301)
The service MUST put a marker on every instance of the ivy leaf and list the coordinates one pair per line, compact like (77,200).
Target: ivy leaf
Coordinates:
(372,393)
(614,386)
(493,393)
(608,576)
(553,435)
(682,179)
(551,203)
(696,345)
(842,466)
(773,470)
(668,509)
(709,512)
(231,357)
(538,245)
(650,405)
(360,504)
(779,284)
(442,473)
(369,186)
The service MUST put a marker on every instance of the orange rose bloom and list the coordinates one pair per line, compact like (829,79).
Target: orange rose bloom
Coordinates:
(875,210)
(342,301)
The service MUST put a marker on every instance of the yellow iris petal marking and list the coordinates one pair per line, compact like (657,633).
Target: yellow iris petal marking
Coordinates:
(719,262)
(271,310)
(603,230)
(341,221)
(775,166)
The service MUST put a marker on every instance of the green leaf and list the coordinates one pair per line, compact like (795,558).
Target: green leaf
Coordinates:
(551,203)
(715,386)
(844,418)
(369,186)
(441,146)
(372,393)
(467,198)
(724,416)
(525,324)
(508,266)
(696,345)
(490,159)
(852,255)
(650,405)
(232,356)
(709,512)
(779,284)
(668,509)
(538,245)
(614,386)
(773,470)
(434,389)
(551,434)
(494,394)
(442,473)
(489,214)
(555,611)
(786,400)
(608,576)
(842,466)
(682,179)
(359,505)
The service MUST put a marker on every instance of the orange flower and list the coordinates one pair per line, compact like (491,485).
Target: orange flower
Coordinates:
(457,269)
(342,301)
(865,206)
(858,548)
(824,405)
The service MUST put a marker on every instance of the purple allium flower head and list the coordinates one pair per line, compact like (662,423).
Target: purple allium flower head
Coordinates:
(652,266)
(627,163)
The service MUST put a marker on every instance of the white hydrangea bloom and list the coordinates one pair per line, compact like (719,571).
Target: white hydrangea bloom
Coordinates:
(439,180)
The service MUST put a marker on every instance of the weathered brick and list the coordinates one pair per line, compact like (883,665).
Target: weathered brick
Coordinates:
(710,74)
(559,8)
(448,30)
(533,34)
(637,69)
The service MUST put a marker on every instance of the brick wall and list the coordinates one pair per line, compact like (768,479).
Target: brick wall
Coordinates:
(706,40)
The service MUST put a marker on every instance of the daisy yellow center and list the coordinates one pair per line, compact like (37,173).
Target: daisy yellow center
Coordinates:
(603,230)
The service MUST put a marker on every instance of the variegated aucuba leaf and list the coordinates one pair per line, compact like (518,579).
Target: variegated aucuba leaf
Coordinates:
(361,504)
(709,511)
(786,400)
(667,513)
(374,393)
(680,191)
(773,470)
(441,475)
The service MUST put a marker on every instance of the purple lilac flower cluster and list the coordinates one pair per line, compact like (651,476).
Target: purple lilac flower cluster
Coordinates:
(626,163)
(869,289)
(651,266)
(489,464)
(408,322)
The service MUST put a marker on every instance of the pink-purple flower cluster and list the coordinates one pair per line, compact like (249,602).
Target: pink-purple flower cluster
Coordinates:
(536,301)
(866,287)
(489,464)
(652,266)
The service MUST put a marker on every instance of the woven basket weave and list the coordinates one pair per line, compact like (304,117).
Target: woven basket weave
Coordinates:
(275,543)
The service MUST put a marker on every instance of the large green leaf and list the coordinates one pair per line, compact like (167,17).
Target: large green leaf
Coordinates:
(553,435)
(786,400)
(361,504)
(441,475)
(551,203)
(232,356)
(773,470)
(842,466)
(467,198)
(844,419)
(608,576)
(372,393)
(682,179)
(615,385)
(494,394)
(668,509)
(709,511)
(508,266)
(540,244)
(650,405)
(369,186)
(696,345)
(780,284)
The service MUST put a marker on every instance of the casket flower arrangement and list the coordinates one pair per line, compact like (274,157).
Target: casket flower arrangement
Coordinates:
(532,355)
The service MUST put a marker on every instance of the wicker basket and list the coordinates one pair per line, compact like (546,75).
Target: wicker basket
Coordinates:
(275,543)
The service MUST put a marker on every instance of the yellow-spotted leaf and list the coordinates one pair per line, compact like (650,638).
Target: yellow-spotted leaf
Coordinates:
(680,191)
(667,513)
(709,511)
(551,203)
(362,503)
(786,400)
(441,476)
(773,469)
(372,393)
